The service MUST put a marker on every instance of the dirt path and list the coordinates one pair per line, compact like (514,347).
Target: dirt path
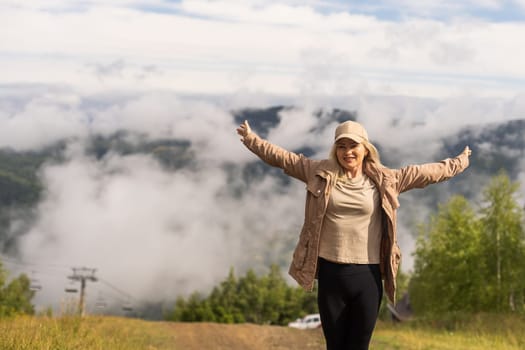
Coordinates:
(212,336)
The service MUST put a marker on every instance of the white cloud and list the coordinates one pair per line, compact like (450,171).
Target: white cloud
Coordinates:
(174,233)
(520,3)
(41,121)
(223,47)
(280,14)
(126,214)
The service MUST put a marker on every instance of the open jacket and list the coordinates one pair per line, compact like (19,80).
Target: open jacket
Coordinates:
(319,177)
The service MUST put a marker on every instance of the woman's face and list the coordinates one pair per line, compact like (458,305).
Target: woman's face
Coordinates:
(350,154)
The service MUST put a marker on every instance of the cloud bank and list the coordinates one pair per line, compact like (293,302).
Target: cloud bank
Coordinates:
(156,233)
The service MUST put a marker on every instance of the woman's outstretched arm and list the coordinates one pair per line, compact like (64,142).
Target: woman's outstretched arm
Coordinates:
(419,176)
(293,164)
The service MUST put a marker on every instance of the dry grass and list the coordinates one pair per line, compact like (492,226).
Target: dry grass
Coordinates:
(428,339)
(483,332)
(97,332)
(72,332)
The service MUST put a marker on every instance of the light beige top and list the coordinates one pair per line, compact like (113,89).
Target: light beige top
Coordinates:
(351,231)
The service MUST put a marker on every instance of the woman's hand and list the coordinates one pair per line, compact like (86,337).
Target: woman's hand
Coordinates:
(244,130)
(467,151)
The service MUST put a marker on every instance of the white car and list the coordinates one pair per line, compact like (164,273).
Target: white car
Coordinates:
(307,322)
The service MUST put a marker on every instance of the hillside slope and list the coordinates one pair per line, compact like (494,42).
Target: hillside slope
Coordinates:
(481,332)
(198,336)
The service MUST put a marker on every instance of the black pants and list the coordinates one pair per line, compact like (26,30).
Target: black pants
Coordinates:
(349,297)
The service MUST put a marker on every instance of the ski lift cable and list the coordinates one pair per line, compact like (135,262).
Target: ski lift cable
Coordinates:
(127,295)
(112,293)
(126,299)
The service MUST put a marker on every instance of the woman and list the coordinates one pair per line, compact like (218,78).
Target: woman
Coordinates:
(348,240)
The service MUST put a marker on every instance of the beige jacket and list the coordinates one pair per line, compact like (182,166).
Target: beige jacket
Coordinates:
(319,176)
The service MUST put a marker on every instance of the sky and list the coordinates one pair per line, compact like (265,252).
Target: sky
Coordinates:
(424,48)
(416,72)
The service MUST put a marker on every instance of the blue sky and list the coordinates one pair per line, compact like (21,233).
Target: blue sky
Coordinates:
(440,10)
(491,10)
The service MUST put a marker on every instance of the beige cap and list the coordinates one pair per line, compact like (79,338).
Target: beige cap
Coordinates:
(351,130)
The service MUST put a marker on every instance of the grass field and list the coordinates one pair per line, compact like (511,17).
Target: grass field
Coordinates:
(97,332)
(494,332)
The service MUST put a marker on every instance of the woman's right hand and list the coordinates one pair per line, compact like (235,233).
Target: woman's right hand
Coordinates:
(244,130)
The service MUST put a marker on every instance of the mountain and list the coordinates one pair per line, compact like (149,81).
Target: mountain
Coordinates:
(21,189)
(495,146)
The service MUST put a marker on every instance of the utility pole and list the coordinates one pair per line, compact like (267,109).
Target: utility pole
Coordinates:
(83,274)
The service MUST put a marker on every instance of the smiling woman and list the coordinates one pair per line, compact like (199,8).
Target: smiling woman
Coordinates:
(350,148)
(349,241)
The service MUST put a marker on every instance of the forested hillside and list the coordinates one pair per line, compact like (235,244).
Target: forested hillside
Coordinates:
(21,188)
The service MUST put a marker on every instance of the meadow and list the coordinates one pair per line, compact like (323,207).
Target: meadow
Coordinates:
(463,332)
(484,332)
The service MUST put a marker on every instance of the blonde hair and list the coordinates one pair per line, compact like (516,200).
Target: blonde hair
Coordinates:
(372,156)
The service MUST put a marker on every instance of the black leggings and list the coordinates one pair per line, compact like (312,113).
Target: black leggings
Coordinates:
(349,297)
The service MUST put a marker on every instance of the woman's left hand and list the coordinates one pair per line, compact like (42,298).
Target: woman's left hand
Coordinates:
(467,151)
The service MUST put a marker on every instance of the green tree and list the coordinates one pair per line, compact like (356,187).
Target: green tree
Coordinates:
(223,301)
(503,245)
(447,274)
(274,302)
(16,296)
(251,298)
